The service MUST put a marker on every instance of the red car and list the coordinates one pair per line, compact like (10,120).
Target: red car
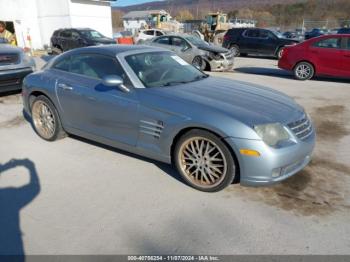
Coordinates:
(327,55)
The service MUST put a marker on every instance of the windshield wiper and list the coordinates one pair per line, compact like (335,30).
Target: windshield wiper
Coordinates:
(185,82)
(200,77)
(175,83)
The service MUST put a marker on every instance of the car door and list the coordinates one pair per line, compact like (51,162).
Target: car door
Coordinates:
(346,56)
(249,42)
(93,108)
(76,40)
(65,38)
(182,48)
(327,55)
(268,42)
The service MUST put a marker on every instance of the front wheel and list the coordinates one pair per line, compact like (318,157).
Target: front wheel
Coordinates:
(304,71)
(45,119)
(199,63)
(204,161)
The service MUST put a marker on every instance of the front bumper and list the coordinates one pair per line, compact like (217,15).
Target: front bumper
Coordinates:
(263,170)
(12,79)
(221,65)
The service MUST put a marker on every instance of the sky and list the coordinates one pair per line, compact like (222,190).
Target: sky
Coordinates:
(131,2)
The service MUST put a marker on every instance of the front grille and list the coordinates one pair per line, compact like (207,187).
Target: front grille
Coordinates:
(301,128)
(7,59)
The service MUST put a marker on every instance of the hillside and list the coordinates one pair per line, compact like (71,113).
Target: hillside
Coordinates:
(174,6)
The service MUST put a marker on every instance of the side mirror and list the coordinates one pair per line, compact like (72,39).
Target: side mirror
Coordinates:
(115,81)
(185,48)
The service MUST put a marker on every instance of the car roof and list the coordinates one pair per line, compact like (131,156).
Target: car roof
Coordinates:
(112,49)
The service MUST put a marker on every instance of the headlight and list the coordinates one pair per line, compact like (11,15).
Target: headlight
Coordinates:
(272,134)
(215,56)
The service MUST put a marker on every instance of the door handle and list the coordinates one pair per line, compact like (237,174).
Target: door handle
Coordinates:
(65,87)
(347,55)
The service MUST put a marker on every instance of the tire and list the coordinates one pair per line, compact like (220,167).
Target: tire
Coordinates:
(45,119)
(199,63)
(279,52)
(57,50)
(204,161)
(304,71)
(235,50)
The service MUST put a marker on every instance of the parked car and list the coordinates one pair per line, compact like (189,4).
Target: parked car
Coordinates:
(151,102)
(243,41)
(69,38)
(315,33)
(344,30)
(327,55)
(14,66)
(147,34)
(196,51)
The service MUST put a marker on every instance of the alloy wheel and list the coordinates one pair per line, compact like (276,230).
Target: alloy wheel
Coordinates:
(303,71)
(44,120)
(203,162)
(197,62)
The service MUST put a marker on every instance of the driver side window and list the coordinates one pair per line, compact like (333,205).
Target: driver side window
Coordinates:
(97,66)
(179,42)
(163,40)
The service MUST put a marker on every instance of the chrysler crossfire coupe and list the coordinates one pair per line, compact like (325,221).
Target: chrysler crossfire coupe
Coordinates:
(148,101)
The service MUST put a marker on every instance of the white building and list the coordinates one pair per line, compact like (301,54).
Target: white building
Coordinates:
(38,19)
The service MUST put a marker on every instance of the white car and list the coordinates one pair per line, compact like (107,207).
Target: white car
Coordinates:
(147,34)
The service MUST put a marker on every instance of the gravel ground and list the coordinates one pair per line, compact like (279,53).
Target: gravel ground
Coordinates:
(91,199)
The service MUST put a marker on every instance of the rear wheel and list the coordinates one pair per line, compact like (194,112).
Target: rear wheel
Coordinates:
(235,50)
(45,119)
(204,161)
(279,52)
(304,71)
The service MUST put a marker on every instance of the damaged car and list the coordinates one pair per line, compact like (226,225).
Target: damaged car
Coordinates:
(15,64)
(196,51)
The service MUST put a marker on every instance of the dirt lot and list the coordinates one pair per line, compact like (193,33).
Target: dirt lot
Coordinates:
(91,199)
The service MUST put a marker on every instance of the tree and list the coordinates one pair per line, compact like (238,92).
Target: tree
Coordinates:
(183,15)
(117,19)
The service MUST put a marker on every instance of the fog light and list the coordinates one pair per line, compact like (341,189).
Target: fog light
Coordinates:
(276,172)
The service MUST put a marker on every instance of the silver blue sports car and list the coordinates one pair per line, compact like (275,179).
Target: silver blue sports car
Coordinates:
(149,101)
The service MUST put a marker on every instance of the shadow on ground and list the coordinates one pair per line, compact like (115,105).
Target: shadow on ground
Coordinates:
(283,74)
(12,200)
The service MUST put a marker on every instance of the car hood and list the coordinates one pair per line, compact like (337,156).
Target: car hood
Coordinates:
(104,41)
(248,103)
(213,48)
(288,41)
(6,48)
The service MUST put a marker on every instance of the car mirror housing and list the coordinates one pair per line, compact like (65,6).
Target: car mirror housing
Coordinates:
(115,81)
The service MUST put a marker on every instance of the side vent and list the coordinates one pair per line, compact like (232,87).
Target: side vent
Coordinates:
(151,128)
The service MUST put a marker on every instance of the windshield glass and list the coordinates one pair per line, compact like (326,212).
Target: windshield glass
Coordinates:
(91,34)
(195,40)
(159,69)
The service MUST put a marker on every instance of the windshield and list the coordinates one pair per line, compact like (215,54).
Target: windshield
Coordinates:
(278,34)
(159,69)
(195,40)
(91,34)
